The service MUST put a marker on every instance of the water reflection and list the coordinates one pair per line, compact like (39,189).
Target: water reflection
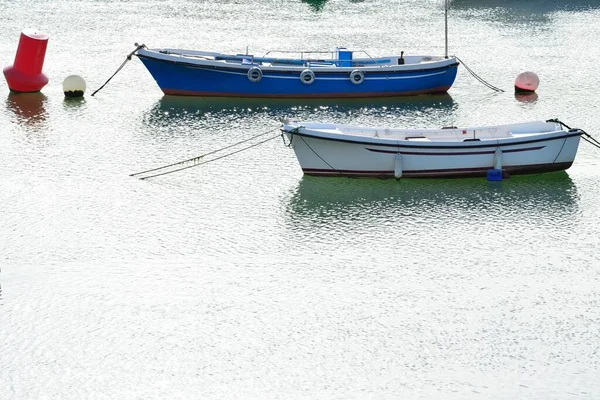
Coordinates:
(73,102)
(530,6)
(316,5)
(526,97)
(519,11)
(322,201)
(27,107)
(170,109)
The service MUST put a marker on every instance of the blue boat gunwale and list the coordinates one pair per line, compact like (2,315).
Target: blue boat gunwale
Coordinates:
(241,68)
(212,60)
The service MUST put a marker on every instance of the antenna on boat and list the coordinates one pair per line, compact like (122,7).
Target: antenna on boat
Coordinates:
(446,7)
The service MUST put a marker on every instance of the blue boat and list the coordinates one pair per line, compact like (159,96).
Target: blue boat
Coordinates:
(341,73)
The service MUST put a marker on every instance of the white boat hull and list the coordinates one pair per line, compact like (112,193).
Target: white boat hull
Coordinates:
(331,154)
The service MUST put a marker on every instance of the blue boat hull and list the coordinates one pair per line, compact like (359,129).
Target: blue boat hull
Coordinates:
(187,79)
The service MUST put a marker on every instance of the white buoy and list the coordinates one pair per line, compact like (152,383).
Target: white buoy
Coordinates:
(527,82)
(73,86)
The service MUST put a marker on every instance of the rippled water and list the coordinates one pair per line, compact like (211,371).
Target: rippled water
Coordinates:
(242,279)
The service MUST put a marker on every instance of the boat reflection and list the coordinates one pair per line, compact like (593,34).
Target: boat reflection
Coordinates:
(29,108)
(531,6)
(316,5)
(519,11)
(173,109)
(323,201)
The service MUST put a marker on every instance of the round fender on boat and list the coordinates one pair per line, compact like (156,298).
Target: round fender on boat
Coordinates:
(254,74)
(526,82)
(357,77)
(307,76)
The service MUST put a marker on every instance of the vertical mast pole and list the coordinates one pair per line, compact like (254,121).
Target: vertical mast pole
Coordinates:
(446,7)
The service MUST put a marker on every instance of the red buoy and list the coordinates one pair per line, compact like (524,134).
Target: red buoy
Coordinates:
(26,75)
(526,82)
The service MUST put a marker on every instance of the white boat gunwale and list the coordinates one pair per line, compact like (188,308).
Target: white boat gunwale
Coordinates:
(467,143)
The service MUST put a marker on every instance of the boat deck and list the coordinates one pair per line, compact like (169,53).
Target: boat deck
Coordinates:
(265,61)
(448,134)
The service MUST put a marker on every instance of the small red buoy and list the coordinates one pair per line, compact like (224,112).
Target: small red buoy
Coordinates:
(26,75)
(526,82)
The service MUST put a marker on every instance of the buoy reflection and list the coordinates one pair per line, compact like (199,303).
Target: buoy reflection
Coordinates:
(526,97)
(27,107)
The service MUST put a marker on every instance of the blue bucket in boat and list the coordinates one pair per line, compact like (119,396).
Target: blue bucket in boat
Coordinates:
(344,57)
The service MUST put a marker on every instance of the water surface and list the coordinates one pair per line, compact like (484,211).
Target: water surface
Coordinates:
(243,279)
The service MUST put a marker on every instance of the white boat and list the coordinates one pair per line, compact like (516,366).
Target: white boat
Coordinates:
(342,150)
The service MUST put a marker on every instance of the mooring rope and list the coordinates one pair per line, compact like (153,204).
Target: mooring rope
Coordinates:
(317,154)
(585,136)
(137,47)
(296,130)
(292,132)
(591,140)
(195,160)
(556,120)
(478,77)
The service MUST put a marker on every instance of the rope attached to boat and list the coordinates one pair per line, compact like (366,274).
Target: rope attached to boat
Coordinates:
(585,136)
(195,160)
(137,47)
(478,77)
(292,132)
(295,130)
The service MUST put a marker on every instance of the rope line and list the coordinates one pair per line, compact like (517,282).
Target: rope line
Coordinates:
(585,136)
(214,159)
(292,132)
(138,46)
(196,159)
(296,130)
(560,151)
(556,120)
(590,140)
(478,77)
(317,154)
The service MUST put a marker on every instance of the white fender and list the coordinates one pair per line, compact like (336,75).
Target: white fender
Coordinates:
(357,77)
(307,76)
(398,166)
(498,159)
(254,74)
